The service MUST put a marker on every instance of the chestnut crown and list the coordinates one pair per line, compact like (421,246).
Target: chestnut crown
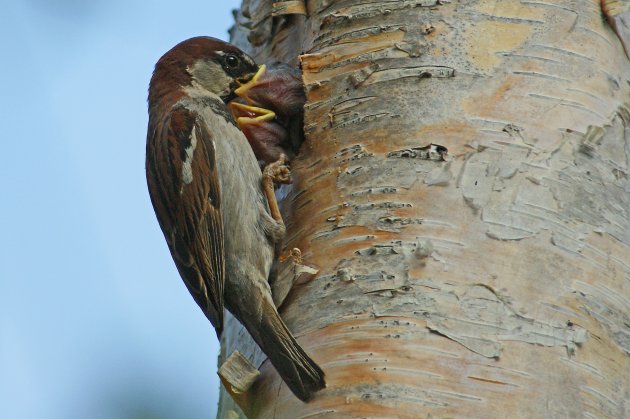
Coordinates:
(201,65)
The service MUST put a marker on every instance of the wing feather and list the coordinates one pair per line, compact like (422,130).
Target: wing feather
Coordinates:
(186,195)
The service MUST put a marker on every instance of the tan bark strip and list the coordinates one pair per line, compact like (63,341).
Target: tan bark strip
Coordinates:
(288,8)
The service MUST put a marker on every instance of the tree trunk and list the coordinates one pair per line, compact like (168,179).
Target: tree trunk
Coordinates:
(492,281)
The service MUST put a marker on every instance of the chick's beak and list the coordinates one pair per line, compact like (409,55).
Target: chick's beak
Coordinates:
(247,114)
(247,82)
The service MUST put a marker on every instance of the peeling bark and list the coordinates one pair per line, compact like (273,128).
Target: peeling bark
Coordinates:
(491,280)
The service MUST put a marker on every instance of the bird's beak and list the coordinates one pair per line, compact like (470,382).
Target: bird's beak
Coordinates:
(246,83)
(247,114)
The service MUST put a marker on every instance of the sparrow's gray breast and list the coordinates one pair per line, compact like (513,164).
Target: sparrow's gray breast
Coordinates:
(242,198)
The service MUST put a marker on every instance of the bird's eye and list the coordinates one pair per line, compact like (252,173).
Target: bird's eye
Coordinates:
(231,61)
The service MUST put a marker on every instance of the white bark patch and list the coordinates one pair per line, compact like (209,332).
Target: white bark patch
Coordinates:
(187,174)
(579,189)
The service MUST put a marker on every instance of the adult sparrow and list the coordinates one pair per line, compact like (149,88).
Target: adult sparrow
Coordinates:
(207,191)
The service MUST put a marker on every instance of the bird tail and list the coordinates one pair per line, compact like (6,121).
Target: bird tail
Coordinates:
(300,373)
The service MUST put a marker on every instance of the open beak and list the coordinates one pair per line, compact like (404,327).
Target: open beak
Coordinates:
(246,85)
(248,114)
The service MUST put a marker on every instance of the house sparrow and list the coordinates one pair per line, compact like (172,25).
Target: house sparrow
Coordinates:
(270,111)
(207,191)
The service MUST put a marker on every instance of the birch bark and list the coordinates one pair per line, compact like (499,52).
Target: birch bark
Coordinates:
(490,282)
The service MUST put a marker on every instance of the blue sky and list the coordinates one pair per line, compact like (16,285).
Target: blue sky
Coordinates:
(94,319)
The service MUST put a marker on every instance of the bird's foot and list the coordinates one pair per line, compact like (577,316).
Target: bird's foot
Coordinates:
(294,254)
(278,171)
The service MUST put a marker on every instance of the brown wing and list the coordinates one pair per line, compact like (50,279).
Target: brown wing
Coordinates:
(185,192)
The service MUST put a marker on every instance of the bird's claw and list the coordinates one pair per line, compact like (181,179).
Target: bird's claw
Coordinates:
(278,171)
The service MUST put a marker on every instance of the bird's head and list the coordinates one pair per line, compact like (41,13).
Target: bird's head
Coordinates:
(201,65)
